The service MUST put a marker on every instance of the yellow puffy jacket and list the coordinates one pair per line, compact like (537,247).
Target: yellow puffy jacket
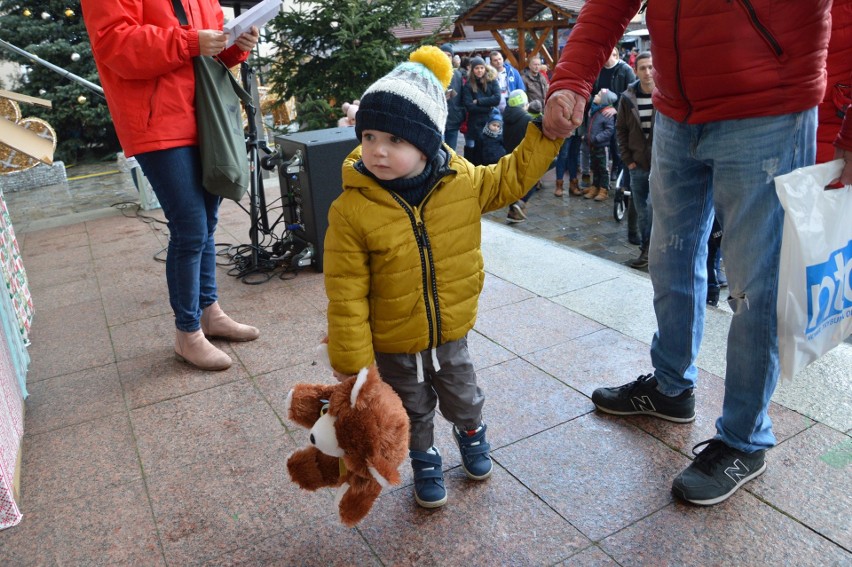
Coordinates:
(403,279)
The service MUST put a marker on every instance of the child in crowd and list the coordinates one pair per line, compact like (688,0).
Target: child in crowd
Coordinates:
(492,139)
(403,265)
(516,117)
(601,130)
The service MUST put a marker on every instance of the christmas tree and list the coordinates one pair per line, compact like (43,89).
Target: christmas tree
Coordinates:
(54,31)
(328,52)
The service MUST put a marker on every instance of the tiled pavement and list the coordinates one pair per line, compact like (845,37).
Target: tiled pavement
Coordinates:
(131,458)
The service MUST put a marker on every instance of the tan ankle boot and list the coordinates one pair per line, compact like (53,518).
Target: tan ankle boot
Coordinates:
(591,192)
(558,191)
(602,195)
(214,323)
(195,349)
(574,187)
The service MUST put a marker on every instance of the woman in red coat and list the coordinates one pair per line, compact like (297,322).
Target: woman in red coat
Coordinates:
(144,58)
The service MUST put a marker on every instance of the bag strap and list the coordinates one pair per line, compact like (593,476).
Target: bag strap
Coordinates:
(180,12)
(241,92)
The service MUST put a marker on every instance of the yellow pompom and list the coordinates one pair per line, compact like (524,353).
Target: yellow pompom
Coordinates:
(436,61)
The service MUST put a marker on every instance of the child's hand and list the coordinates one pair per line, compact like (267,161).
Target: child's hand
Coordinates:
(563,113)
(341,377)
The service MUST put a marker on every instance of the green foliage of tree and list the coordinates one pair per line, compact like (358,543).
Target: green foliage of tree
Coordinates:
(84,128)
(329,51)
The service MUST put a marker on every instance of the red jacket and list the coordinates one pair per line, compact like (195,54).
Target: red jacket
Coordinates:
(144,60)
(717,60)
(839,73)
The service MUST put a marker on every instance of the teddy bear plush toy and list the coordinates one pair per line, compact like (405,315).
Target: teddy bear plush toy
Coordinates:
(359,438)
(349,111)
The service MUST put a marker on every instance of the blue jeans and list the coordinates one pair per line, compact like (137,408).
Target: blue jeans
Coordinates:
(727,165)
(641,195)
(192,214)
(569,158)
(451,138)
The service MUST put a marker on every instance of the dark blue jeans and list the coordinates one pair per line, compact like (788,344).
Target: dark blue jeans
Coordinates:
(568,159)
(192,214)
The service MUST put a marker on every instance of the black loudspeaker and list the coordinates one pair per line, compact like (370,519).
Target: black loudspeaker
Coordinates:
(310,176)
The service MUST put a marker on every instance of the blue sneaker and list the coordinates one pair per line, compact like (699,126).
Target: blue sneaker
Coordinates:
(474,449)
(429,490)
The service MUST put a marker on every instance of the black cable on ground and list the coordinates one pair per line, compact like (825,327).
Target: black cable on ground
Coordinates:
(273,252)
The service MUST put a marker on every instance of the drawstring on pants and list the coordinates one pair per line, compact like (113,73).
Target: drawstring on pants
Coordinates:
(435,364)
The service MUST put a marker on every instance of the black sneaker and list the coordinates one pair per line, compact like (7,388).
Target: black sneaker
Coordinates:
(716,473)
(713,297)
(516,213)
(642,398)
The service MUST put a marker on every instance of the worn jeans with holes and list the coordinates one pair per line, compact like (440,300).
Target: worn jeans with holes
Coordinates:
(730,166)
(192,214)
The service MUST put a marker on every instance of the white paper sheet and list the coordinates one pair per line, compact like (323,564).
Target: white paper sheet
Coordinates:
(257,15)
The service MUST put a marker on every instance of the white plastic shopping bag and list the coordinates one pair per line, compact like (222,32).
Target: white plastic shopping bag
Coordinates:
(815,283)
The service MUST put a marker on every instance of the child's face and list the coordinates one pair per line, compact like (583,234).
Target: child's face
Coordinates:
(390,157)
(597,99)
(494,126)
(478,71)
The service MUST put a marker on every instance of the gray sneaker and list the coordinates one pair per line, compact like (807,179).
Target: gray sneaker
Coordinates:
(716,473)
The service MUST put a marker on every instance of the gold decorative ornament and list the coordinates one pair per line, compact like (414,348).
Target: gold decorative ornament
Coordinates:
(10,158)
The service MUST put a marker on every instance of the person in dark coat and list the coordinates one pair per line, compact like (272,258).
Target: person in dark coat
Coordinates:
(480,94)
(601,133)
(455,109)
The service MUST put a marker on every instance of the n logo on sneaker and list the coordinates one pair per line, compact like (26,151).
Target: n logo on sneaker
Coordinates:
(642,403)
(738,471)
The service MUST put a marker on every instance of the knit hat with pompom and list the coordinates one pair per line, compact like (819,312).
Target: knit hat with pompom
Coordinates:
(410,101)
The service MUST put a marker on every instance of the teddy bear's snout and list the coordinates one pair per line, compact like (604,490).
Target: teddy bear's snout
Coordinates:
(313,441)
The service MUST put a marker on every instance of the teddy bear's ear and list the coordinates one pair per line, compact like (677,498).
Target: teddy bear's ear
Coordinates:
(366,377)
(305,401)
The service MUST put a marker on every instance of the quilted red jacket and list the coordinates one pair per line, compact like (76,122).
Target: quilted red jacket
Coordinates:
(713,60)
(144,59)
(838,92)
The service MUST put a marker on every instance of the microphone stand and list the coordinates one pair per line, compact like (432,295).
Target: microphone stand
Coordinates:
(255,144)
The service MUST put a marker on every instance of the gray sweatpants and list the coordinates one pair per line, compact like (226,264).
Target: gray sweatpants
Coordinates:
(452,389)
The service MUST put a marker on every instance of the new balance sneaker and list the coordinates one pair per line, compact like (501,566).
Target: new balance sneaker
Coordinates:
(642,398)
(474,452)
(429,490)
(716,473)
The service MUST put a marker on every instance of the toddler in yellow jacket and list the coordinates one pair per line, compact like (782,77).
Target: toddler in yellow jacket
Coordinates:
(402,260)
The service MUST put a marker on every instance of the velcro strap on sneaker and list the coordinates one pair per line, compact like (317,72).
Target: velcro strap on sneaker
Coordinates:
(429,473)
(470,450)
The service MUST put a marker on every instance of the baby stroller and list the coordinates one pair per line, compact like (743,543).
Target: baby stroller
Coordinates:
(621,198)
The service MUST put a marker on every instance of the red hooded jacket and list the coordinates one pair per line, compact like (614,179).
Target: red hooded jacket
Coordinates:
(144,58)
(719,60)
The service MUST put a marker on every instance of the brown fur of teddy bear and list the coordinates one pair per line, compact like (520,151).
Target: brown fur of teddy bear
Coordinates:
(364,425)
